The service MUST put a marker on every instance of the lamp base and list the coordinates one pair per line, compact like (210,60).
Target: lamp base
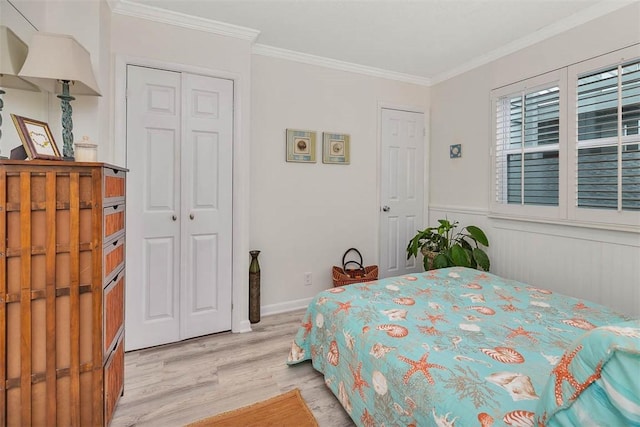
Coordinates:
(69,159)
(67,121)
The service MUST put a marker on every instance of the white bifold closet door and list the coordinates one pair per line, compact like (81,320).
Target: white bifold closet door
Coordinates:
(179,206)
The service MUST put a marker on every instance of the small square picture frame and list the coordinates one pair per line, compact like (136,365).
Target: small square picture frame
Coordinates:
(36,138)
(336,148)
(301,146)
(455,151)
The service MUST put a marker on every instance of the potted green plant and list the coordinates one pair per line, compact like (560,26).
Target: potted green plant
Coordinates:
(443,246)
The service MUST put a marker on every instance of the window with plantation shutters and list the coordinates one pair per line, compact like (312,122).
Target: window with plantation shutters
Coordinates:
(527,147)
(566,144)
(608,138)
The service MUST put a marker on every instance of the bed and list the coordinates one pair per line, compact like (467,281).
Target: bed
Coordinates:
(461,347)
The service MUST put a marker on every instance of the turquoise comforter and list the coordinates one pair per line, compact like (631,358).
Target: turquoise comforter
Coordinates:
(447,347)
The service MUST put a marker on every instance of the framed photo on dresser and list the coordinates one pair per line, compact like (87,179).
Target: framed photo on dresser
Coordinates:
(36,138)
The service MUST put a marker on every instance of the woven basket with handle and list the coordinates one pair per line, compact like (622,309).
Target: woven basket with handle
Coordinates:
(347,276)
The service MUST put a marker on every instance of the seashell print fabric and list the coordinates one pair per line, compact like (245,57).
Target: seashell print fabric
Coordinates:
(596,381)
(449,347)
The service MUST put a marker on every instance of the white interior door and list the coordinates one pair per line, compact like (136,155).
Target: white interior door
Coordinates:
(206,204)
(401,189)
(153,207)
(178,206)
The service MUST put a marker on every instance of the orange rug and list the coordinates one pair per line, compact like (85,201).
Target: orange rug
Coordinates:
(288,409)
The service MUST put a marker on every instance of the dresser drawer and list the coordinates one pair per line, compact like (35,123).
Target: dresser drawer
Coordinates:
(113,310)
(113,380)
(113,258)
(113,224)
(114,186)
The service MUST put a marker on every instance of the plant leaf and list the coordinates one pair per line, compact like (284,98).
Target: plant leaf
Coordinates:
(425,263)
(465,244)
(415,242)
(460,256)
(440,261)
(482,259)
(478,235)
(472,260)
(411,248)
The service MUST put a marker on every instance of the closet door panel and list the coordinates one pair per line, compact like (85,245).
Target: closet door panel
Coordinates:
(158,280)
(205,295)
(154,129)
(207,155)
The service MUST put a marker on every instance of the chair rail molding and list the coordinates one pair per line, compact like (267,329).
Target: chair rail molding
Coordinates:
(465,210)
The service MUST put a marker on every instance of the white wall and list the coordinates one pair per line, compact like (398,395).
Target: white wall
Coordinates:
(24,103)
(301,216)
(82,20)
(89,23)
(603,266)
(304,216)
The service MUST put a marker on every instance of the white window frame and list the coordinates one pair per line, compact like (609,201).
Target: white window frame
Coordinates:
(567,212)
(531,212)
(604,217)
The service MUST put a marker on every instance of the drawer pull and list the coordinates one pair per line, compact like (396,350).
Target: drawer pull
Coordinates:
(115,242)
(115,207)
(173,217)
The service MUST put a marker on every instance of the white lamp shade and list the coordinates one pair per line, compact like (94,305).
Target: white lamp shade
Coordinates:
(56,57)
(13,52)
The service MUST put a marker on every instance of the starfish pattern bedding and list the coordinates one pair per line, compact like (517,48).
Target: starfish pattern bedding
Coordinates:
(446,347)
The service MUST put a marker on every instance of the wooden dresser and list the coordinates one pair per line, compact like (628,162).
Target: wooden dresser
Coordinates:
(62,233)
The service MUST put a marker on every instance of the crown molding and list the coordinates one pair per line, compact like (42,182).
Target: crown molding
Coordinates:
(305,58)
(130,8)
(151,13)
(596,11)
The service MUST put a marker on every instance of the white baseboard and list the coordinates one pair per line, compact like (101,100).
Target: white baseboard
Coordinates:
(284,307)
(243,326)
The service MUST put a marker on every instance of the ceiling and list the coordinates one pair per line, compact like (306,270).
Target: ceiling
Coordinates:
(429,39)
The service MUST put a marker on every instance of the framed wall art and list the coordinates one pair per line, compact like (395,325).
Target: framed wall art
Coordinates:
(36,138)
(301,146)
(335,148)
(455,151)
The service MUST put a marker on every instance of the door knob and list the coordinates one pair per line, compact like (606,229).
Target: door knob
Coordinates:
(386,208)
(191,216)
(173,217)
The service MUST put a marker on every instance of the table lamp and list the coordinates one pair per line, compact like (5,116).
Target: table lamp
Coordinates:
(59,64)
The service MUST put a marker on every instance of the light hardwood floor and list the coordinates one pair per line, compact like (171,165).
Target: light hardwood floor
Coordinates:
(176,384)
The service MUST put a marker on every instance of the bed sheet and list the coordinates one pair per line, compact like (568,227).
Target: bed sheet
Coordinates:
(446,347)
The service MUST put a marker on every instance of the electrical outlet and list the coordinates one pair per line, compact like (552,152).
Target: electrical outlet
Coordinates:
(307,279)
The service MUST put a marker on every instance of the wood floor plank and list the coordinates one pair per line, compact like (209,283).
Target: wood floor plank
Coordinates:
(176,384)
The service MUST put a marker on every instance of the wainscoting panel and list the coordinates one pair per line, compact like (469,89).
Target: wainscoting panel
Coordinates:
(598,265)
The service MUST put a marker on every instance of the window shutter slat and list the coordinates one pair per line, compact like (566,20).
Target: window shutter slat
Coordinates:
(607,101)
(531,121)
(631,177)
